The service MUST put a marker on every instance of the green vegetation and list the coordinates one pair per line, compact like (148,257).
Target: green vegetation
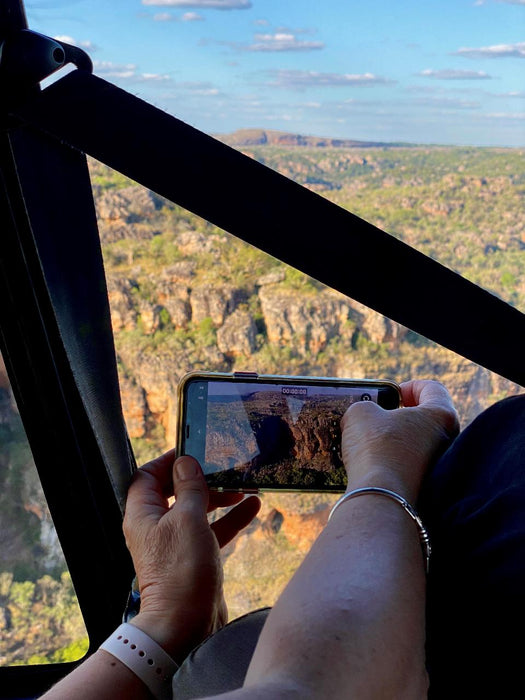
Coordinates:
(174,282)
(462,206)
(106,178)
(40,621)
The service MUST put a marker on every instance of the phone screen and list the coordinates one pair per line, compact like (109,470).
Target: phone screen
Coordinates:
(251,435)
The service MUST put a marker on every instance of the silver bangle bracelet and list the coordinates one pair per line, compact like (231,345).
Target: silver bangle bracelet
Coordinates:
(423,534)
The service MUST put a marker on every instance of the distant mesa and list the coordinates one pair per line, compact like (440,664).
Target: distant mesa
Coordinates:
(264,137)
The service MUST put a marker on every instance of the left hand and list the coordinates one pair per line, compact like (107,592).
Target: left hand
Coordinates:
(176,552)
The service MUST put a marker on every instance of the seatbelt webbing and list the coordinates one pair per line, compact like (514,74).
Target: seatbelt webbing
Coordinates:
(282,218)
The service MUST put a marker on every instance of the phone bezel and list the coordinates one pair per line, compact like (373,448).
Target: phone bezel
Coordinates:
(235,377)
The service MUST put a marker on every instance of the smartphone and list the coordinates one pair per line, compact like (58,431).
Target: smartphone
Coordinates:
(255,432)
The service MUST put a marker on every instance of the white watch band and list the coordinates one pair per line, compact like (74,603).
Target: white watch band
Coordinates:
(144,657)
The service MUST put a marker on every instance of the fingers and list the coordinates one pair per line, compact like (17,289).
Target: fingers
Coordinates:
(363,409)
(401,443)
(160,468)
(190,488)
(423,391)
(149,489)
(192,496)
(162,477)
(223,500)
(236,520)
(434,397)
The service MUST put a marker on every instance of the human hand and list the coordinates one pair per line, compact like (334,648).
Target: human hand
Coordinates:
(394,448)
(176,552)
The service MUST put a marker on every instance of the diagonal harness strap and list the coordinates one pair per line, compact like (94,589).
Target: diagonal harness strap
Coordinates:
(281,218)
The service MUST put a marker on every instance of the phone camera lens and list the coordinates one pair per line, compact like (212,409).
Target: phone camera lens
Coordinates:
(366,397)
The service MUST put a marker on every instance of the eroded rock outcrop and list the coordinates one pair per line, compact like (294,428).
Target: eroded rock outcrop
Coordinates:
(215,302)
(124,213)
(306,322)
(237,335)
(303,323)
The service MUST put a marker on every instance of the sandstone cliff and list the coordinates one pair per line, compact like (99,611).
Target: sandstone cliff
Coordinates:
(186,296)
(185,314)
(269,137)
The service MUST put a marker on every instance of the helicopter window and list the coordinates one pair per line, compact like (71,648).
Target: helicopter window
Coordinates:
(40,619)
(185,296)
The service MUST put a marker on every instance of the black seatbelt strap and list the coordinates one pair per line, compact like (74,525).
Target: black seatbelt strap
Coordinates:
(281,218)
(56,339)
(64,227)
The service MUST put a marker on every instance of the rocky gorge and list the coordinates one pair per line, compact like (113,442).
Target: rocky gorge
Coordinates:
(186,314)
(185,295)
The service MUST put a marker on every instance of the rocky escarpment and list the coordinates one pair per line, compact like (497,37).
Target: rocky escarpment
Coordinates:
(179,302)
(270,137)
(126,213)
(297,325)
(185,296)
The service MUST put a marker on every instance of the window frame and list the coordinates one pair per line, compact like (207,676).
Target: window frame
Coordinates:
(60,431)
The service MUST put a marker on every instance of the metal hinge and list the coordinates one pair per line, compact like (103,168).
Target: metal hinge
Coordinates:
(27,57)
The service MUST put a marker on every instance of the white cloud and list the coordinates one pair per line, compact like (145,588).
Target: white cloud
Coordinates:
(108,69)
(281,41)
(495,51)
(169,17)
(126,72)
(191,17)
(511,94)
(152,77)
(512,116)
(198,88)
(83,44)
(504,2)
(185,90)
(455,74)
(301,79)
(447,103)
(202,4)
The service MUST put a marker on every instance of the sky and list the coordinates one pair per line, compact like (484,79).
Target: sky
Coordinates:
(417,71)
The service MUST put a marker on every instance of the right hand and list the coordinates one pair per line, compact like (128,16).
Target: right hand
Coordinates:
(393,449)
(176,552)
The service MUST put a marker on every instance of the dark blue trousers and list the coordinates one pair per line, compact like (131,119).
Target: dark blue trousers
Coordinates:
(474,507)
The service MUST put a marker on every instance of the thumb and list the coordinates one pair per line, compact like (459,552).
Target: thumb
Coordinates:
(190,488)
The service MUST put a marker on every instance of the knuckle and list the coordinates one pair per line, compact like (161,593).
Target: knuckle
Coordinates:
(362,407)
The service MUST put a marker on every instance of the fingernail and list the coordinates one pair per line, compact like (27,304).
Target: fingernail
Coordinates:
(186,468)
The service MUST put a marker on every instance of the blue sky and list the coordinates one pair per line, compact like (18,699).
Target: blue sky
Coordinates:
(447,72)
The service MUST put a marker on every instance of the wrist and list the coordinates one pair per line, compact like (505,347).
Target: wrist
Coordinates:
(397,498)
(177,637)
(407,486)
(162,631)
(146,660)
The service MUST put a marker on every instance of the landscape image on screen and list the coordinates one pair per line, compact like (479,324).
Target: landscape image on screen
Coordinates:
(279,437)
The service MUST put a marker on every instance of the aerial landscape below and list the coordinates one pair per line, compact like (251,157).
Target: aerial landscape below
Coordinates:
(186,295)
